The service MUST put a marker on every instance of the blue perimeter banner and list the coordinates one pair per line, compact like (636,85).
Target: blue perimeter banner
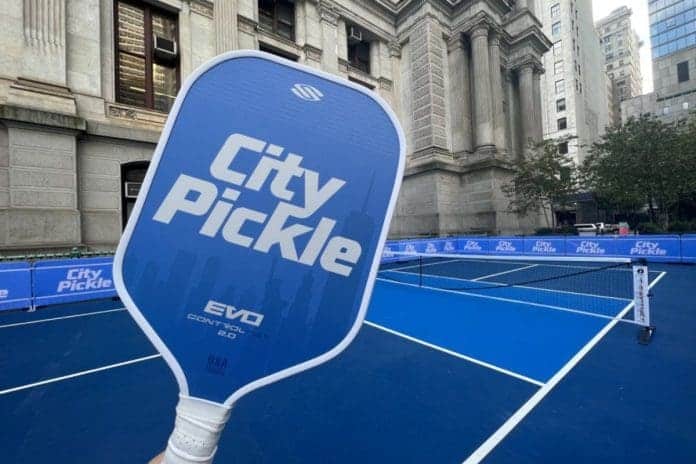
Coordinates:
(15,285)
(70,280)
(656,248)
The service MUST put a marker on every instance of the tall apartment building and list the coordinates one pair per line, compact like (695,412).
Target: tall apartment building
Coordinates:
(621,49)
(673,40)
(574,87)
(85,87)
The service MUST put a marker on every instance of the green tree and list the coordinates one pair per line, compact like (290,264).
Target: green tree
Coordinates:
(543,181)
(640,165)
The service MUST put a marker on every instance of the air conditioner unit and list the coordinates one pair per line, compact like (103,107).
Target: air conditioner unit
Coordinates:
(354,34)
(165,48)
(132,189)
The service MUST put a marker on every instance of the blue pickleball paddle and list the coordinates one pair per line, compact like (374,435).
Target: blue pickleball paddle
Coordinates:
(253,247)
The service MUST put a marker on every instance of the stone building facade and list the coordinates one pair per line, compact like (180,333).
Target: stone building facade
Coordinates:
(574,88)
(85,86)
(621,49)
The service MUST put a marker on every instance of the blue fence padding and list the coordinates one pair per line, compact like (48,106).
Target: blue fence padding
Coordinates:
(544,246)
(688,248)
(506,246)
(69,280)
(661,248)
(15,285)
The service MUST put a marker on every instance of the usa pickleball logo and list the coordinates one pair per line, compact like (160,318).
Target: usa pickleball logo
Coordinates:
(254,244)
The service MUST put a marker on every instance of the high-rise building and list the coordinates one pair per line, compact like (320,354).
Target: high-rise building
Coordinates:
(621,49)
(574,87)
(86,85)
(673,38)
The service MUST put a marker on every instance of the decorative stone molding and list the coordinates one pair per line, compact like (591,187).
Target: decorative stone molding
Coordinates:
(527,61)
(247,25)
(385,84)
(224,21)
(479,30)
(328,12)
(117,110)
(455,42)
(312,53)
(394,49)
(202,8)
(44,22)
(42,118)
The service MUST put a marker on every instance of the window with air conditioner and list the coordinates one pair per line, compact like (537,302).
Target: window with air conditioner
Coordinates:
(358,48)
(147,55)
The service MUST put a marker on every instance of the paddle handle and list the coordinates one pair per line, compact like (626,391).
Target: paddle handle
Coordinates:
(197,430)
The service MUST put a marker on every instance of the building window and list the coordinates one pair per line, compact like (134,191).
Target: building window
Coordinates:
(560,105)
(278,16)
(560,87)
(358,49)
(558,67)
(132,176)
(563,148)
(147,58)
(556,28)
(685,105)
(557,48)
(665,110)
(683,71)
(562,123)
(555,10)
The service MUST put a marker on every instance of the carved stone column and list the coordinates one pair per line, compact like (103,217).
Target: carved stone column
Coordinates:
(527,105)
(482,87)
(375,58)
(329,37)
(225,23)
(460,94)
(497,93)
(44,39)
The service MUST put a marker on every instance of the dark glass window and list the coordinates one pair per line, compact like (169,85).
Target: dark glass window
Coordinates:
(278,16)
(563,148)
(359,55)
(562,123)
(560,105)
(147,56)
(683,71)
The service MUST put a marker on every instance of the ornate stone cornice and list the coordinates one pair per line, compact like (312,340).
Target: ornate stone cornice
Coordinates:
(394,49)
(456,41)
(526,62)
(328,12)
(482,20)
(312,53)
(202,7)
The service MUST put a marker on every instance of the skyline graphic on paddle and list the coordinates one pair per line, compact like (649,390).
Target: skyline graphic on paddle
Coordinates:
(254,244)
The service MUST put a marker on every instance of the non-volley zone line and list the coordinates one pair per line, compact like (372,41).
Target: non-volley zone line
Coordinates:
(60,318)
(454,353)
(499,435)
(79,374)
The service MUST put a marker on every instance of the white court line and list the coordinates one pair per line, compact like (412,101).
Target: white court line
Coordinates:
(504,272)
(396,269)
(500,434)
(38,321)
(503,284)
(78,374)
(455,354)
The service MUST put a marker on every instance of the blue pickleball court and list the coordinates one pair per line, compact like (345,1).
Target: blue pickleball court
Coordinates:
(458,361)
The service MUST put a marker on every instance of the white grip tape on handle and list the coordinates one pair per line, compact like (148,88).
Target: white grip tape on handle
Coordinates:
(197,430)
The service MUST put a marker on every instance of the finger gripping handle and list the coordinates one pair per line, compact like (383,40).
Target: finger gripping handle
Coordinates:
(197,430)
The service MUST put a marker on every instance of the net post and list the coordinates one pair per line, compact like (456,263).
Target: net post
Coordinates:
(641,301)
(420,271)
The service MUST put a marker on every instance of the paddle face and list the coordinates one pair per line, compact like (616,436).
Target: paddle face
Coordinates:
(253,246)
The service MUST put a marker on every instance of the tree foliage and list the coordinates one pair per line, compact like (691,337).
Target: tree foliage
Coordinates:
(644,164)
(543,181)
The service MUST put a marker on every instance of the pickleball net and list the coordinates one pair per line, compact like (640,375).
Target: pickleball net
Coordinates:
(604,288)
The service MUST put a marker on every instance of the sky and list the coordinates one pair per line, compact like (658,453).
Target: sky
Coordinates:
(640,23)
